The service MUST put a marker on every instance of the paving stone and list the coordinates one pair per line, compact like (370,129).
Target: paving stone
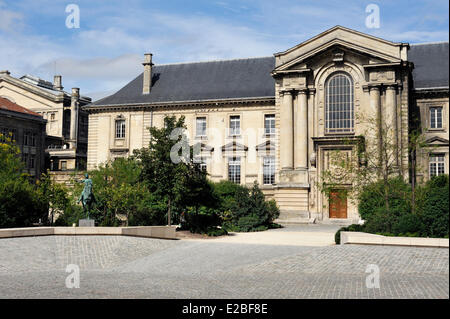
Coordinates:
(130,267)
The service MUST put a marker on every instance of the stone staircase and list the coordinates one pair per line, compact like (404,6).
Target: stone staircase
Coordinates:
(294,218)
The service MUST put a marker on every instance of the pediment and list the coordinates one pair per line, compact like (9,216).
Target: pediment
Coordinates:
(436,140)
(234,147)
(380,50)
(203,147)
(267,146)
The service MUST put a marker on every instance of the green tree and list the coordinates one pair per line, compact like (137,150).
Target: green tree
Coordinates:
(169,169)
(20,204)
(54,195)
(10,164)
(374,157)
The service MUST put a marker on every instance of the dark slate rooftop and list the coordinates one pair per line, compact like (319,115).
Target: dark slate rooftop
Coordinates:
(230,79)
(430,64)
(250,78)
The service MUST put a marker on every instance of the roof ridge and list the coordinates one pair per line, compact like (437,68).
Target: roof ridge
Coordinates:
(219,60)
(426,43)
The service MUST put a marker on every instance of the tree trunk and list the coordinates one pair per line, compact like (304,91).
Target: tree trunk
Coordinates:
(169,214)
(413,182)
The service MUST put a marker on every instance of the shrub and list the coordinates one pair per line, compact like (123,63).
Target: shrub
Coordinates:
(70,216)
(248,223)
(249,210)
(216,231)
(408,224)
(433,207)
(371,200)
(202,220)
(353,227)
(20,204)
(225,192)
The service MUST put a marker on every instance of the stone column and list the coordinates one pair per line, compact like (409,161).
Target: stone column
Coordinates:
(375,106)
(286,132)
(391,119)
(301,132)
(74,117)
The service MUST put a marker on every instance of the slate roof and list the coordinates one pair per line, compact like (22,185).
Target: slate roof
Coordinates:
(430,64)
(251,78)
(230,79)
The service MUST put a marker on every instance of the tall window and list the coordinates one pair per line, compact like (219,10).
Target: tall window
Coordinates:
(435,117)
(32,161)
(269,170)
(339,117)
(25,159)
(235,125)
(269,124)
(26,138)
(33,139)
(120,128)
(234,170)
(436,164)
(201,126)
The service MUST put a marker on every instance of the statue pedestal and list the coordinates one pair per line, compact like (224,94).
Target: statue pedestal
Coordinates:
(86,223)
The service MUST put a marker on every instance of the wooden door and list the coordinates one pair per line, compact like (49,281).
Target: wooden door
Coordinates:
(338,204)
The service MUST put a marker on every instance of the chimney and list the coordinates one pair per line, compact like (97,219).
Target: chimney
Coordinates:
(57,83)
(147,78)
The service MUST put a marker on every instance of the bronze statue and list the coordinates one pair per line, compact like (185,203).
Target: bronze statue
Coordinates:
(87,197)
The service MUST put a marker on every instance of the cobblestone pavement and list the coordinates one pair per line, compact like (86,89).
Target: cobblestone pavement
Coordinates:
(129,267)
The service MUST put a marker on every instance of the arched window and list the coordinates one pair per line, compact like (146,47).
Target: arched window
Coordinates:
(339,110)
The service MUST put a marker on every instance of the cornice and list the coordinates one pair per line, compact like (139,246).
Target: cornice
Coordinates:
(178,104)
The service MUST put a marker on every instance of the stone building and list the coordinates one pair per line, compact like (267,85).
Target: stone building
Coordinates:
(276,119)
(67,124)
(27,129)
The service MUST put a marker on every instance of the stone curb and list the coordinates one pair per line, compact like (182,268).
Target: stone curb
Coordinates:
(372,239)
(163,232)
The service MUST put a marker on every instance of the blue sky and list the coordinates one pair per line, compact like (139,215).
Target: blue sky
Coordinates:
(107,50)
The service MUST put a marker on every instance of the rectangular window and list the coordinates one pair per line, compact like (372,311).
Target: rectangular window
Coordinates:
(33,139)
(436,164)
(235,125)
(234,170)
(269,124)
(63,165)
(200,127)
(26,138)
(269,170)
(120,128)
(435,117)
(32,161)
(25,159)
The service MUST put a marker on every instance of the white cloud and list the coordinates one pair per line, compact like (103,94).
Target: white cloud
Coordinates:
(10,21)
